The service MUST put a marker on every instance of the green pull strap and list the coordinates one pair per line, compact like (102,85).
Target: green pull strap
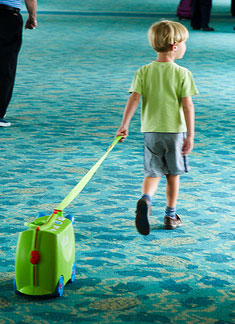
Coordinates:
(81,184)
(44,224)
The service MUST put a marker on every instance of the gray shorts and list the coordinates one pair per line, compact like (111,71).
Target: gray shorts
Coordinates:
(163,154)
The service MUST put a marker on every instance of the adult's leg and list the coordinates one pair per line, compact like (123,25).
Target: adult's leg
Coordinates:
(196,14)
(206,6)
(10,43)
(233,8)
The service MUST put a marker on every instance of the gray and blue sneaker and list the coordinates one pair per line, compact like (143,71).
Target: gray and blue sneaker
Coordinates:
(4,123)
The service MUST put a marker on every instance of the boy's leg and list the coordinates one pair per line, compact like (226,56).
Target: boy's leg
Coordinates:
(143,208)
(171,219)
(150,185)
(172,190)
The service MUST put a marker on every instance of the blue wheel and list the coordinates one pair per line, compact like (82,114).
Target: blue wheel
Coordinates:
(71,218)
(15,288)
(41,214)
(60,287)
(73,274)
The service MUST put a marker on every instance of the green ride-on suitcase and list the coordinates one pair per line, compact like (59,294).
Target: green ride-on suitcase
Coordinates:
(45,256)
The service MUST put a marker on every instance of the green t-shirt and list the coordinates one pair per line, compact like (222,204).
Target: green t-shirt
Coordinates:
(162,85)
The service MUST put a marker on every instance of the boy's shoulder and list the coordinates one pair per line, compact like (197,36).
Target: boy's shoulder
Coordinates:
(181,68)
(167,65)
(146,66)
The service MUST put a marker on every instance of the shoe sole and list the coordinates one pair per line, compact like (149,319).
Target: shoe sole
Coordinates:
(171,227)
(141,221)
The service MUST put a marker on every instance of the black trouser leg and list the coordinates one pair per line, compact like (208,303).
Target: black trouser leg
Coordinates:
(196,14)
(233,7)
(10,42)
(205,12)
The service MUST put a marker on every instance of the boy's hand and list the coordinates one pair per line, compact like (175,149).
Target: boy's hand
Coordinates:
(187,146)
(122,131)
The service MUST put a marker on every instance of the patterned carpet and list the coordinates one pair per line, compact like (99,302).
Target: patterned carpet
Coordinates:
(72,83)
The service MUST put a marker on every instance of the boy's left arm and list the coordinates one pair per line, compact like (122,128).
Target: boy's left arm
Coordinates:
(188,108)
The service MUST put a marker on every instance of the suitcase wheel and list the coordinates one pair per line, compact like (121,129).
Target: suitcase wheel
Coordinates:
(60,287)
(15,288)
(73,274)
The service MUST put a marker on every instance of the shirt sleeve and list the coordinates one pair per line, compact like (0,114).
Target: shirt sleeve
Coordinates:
(136,85)
(188,86)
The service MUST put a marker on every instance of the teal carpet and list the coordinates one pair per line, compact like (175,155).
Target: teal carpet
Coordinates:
(72,83)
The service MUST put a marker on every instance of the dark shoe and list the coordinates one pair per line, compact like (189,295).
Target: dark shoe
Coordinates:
(143,210)
(208,29)
(4,123)
(172,223)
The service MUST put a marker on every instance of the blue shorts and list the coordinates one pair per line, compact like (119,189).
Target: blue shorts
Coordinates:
(163,154)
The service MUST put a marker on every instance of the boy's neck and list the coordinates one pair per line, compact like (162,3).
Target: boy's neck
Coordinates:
(165,57)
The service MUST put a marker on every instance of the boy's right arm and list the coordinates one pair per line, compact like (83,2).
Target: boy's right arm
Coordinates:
(129,111)
(188,108)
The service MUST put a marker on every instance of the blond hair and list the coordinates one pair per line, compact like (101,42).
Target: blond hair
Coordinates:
(162,35)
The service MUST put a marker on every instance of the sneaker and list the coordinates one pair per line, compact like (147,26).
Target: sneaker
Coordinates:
(143,211)
(4,123)
(172,223)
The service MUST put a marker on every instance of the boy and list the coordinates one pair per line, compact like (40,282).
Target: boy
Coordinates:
(167,113)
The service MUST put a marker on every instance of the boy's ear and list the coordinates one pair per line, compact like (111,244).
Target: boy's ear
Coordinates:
(174,47)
